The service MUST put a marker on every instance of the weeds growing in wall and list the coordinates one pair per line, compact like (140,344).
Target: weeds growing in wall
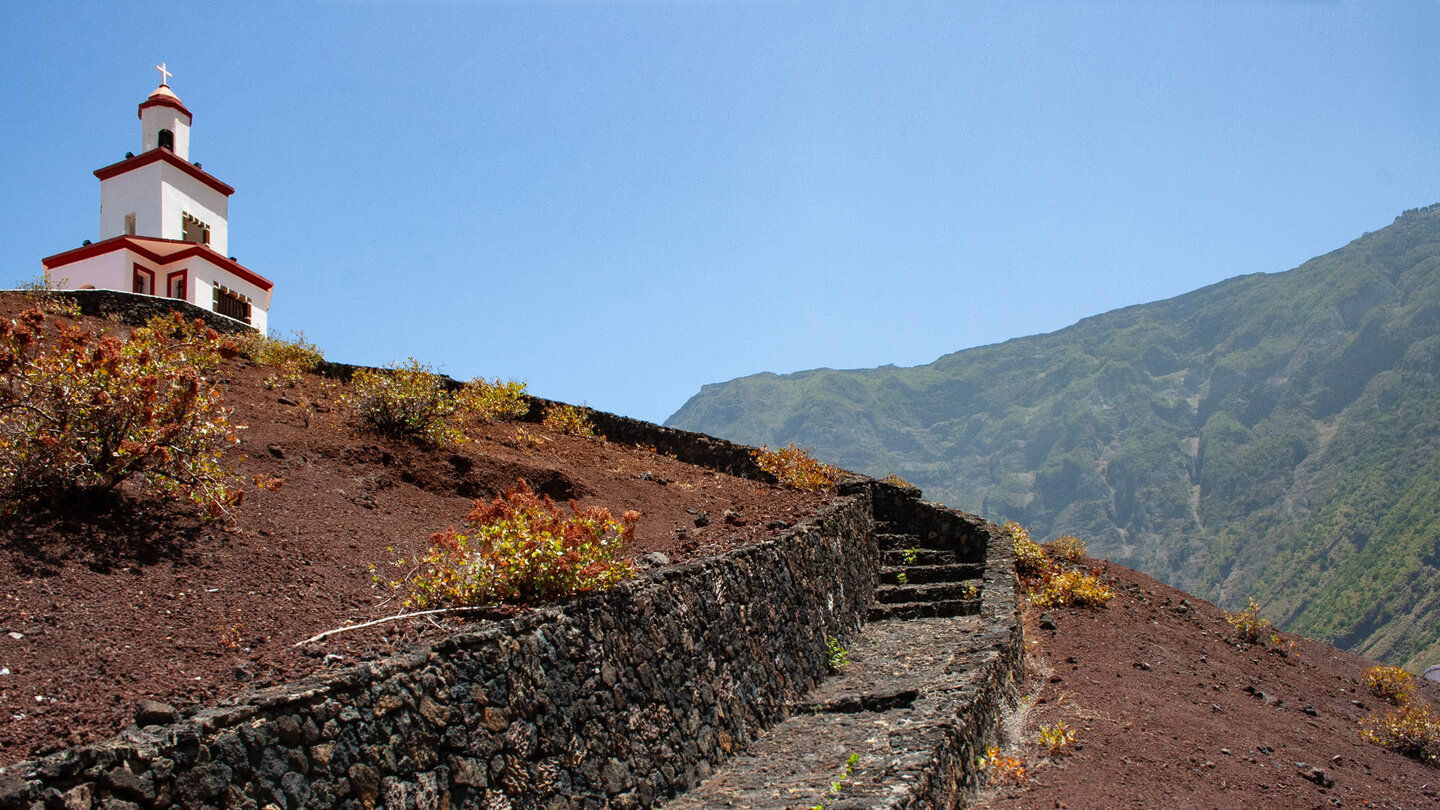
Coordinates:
(794,467)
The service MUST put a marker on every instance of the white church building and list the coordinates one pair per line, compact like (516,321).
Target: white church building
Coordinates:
(162,225)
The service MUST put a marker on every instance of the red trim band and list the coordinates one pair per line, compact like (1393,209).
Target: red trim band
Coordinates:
(162,101)
(134,244)
(165,155)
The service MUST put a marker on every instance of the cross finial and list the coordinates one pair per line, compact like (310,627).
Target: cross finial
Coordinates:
(164,75)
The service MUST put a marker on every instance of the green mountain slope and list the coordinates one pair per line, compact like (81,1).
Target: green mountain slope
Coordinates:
(1273,435)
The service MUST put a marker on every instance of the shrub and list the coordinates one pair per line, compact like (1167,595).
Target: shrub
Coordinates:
(1072,588)
(568,420)
(82,413)
(1058,738)
(794,467)
(493,400)
(1066,548)
(522,548)
(1030,558)
(1412,729)
(1248,625)
(293,357)
(406,401)
(44,293)
(1393,684)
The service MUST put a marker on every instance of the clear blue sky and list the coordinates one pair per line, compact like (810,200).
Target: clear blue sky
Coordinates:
(621,201)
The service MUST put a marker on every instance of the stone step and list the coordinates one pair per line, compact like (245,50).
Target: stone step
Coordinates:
(928,592)
(919,574)
(924,610)
(923,556)
(902,542)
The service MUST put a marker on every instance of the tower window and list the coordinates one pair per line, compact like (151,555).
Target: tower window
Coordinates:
(231,304)
(129,224)
(194,231)
(166,140)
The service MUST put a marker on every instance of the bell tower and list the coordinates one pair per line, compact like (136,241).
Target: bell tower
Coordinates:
(164,121)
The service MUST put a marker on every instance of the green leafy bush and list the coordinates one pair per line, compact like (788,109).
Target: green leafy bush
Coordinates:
(407,401)
(522,548)
(794,467)
(82,413)
(293,357)
(493,400)
(568,420)
(837,658)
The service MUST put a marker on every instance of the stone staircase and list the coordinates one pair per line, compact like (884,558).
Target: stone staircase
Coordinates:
(903,724)
(920,580)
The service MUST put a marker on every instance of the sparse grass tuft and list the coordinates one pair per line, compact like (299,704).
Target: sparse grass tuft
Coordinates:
(892,478)
(797,469)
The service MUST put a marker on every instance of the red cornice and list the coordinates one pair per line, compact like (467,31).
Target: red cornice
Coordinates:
(162,101)
(165,155)
(136,245)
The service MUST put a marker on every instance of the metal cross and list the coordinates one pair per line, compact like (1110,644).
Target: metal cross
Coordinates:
(164,75)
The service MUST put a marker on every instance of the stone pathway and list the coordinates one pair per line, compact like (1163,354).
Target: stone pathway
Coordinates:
(892,708)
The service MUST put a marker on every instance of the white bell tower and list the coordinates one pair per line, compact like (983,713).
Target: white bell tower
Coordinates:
(164,121)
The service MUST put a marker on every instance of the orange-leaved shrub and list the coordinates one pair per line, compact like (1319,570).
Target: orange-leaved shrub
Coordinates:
(521,547)
(794,467)
(1248,624)
(82,413)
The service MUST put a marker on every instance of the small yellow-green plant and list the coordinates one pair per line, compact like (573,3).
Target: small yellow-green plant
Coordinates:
(1071,588)
(910,555)
(82,413)
(1066,548)
(795,468)
(970,589)
(44,292)
(902,578)
(493,400)
(1001,770)
(406,401)
(522,548)
(1248,624)
(1058,738)
(1393,684)
(837,658)
(568,420)
(1412,729)
(1030,558)
(892,478)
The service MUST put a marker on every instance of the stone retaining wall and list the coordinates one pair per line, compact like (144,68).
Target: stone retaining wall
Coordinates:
(612,700)
(134,309)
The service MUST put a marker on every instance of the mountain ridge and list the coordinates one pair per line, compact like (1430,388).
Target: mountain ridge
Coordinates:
(1235,440)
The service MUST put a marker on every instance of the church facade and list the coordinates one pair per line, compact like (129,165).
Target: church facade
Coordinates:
(163,228)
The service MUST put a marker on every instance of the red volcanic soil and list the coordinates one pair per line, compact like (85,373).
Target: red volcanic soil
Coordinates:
(1172,711)
(101,609)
